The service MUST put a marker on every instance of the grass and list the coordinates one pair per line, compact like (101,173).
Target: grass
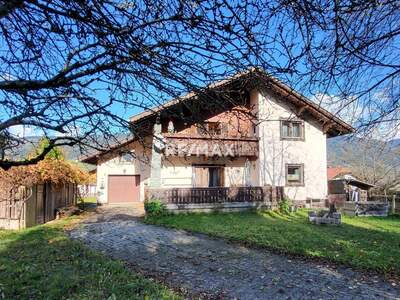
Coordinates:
(43,263)
(90,200)
(362,242)
(87,203)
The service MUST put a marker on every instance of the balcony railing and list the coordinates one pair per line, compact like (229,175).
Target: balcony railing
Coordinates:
(195,145)
(216,195)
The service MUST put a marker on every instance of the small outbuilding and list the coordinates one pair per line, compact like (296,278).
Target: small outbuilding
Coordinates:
(343,186)
(352,196)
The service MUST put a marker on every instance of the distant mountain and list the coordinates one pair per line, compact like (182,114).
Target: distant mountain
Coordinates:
(336,149)
(71,153)
(341,147)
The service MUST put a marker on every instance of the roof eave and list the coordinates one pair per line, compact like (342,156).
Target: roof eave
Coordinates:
(336,126)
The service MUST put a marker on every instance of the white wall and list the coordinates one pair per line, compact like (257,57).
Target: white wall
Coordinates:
(269,168)
(111,165)
(175,171)
(275,153)
(178,172)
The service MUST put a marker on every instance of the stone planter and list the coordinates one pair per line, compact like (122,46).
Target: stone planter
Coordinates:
(324,217)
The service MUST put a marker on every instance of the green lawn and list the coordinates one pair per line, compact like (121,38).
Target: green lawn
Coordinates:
(364,242)
(87,203)
(90,200)
(42,263)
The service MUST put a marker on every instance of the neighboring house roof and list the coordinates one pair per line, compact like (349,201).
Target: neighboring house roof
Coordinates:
(343,173)
(332,125)
(355,182)
(395,188)
(334,172)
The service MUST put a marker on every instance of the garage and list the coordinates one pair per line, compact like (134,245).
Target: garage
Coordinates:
(123,189)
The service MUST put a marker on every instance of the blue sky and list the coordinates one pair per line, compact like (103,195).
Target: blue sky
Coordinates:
(273,57)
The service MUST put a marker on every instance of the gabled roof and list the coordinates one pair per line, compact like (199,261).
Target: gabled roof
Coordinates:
(333,125)
(255,78)
(350,179)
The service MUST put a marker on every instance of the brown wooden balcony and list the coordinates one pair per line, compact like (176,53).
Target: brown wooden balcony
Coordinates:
(217,197)
(196,145)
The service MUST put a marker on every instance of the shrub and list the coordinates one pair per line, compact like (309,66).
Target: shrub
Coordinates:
(284,205)
(155,208)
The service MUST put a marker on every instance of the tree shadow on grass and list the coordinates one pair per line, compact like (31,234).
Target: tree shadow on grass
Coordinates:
(375,247)
(43,263)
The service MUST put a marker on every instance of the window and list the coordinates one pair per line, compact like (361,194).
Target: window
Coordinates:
(210,128)
(208,176)
(292,130)
(126,157)
(295,174)
(214,128)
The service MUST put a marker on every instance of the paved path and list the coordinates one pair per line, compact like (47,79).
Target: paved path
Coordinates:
(204,265)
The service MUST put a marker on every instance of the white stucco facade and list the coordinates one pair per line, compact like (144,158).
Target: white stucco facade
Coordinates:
(113,165)
(269,168)
(175,171)
(275,153)
(178,171)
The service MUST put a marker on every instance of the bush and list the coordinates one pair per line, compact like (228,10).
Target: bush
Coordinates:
(284,205)
(155,208)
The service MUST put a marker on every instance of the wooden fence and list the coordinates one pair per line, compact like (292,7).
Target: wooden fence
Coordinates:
(181,198)
(29,206)
(12,206)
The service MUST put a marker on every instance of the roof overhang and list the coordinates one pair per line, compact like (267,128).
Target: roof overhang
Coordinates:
(252,78)
(94,158)
(256,78)
(355,182)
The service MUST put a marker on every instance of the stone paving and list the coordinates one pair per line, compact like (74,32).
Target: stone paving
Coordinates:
(213,267)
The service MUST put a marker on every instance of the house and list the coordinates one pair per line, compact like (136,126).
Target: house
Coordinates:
(235,137)
(88,189)
(395,188)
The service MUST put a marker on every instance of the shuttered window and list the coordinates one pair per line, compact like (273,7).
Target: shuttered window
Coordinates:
(208,176)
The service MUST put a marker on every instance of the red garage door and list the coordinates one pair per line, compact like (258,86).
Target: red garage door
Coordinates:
(123,188)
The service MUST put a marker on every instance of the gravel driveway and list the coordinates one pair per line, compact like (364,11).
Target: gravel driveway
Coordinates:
(204,265)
